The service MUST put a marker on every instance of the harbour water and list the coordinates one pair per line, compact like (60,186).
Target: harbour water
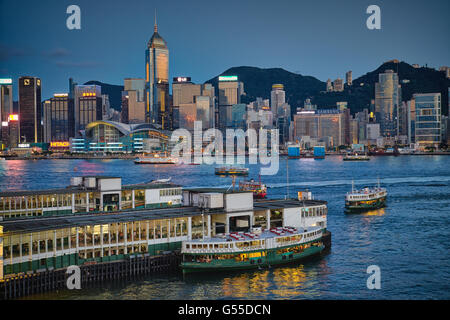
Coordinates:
(408,239)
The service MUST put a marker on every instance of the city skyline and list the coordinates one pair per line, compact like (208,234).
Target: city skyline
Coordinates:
(61,53)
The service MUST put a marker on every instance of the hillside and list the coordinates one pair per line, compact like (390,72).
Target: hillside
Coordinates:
(114,92)
(258,83)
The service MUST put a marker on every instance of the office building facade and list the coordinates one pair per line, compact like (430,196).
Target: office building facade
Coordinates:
(30,109)
(428,120)
(87,105)
(157,82)
(387,100)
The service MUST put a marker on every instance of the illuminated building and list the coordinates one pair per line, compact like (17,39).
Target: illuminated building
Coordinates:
(30,109)
(6,102)
(133,101)
(87,105)
(338,85)
(6,99)
(230,91)
(110,136)
(10,130)
(387,100)
(157,81)
(192,102)
(428,119)
(277,97)
(348,78)
(318,124)
(59,118)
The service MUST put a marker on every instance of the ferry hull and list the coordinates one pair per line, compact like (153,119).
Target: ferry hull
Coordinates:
(269,260)
(352,207)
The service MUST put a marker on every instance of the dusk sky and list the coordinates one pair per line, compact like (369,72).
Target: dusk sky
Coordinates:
(323,39)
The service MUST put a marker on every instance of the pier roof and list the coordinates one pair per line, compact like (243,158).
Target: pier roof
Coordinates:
(78,220)
(289,203)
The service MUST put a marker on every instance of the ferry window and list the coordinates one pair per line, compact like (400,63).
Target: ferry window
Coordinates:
(35,243)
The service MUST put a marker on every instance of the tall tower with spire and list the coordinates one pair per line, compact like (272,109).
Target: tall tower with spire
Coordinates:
(157,81)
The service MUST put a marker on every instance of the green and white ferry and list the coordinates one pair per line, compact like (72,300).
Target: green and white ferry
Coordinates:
(365,199)
(247,250)
(274,239)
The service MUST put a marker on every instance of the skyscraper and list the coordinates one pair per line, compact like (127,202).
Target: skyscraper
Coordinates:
(428,119)
(157,81)
(133,103)
(230,91)
(6,99)
(88,106)
(59,118)
(192,102)
(30,109)
(6,102)
(348,78)
(277,98)
(338,85)
(387,100)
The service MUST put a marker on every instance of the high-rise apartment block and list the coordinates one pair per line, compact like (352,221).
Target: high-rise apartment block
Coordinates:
(428,119)
(387,101)
(30,109)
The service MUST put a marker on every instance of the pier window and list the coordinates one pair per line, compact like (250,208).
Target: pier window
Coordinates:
(113,232)
(127,199)
(276,218)
(89,238)
(42,241)
(197,227)
(15,245)
(164,230)
(260,219)
(25,244)
(143,230)
(129,231)
(80,202)
(105,233)
(97,235)
(152,229)
(59,244)
(6,248)
(35,243)
(73,237)
(120,233)
(139,198)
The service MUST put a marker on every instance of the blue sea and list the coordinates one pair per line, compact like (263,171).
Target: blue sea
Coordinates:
(408,240)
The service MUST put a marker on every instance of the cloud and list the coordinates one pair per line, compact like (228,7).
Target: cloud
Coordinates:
(80,64)
(7,52)
(57,53)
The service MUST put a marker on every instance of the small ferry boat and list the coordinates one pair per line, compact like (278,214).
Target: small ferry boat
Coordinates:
(259,190)
(231,171)
(365,199)
(248,250)
(356,157)
(156,159)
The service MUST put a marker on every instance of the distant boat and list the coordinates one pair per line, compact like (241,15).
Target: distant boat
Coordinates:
(356,157)
(156,159)
(162,180)
(231,171)
(259,190)
(365,199)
